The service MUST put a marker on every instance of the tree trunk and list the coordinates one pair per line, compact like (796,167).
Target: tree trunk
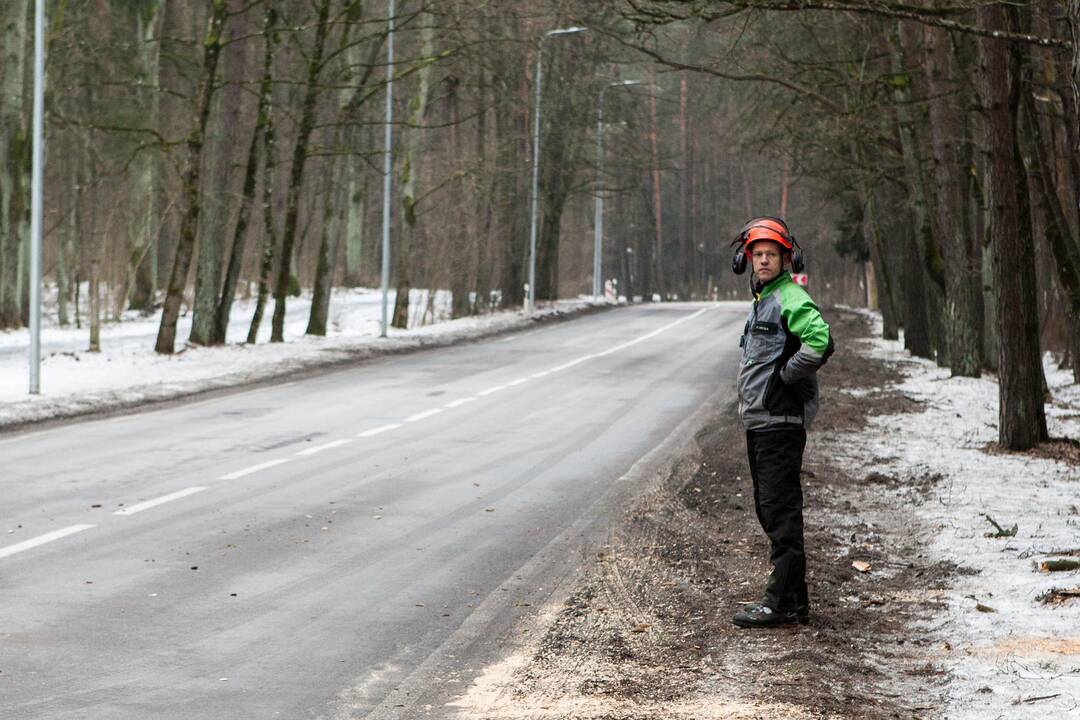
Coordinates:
(63,288)
(914,298)
(547,256)
(94,247)
(296,175)
(216,193)
(961,275)
(355,223)
(239,243)
(916,321)
(95,302)
(14,154)
(511,223)
(991,338)
(189,224)
(879,258)
(1059,232)
(410,235)
(1022,420)
(142,278)
(657,192)
(329,245)
(247,199)
(686,238)
(1074,32)
(462,235)
(266,265)
(337,195)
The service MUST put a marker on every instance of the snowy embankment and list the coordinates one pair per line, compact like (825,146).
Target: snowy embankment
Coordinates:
(127,372)
(1009,639)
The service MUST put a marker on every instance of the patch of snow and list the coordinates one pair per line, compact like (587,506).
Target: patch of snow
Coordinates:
(1015,657)
(128,372)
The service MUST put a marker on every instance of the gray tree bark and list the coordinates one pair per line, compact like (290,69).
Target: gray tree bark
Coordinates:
(355,223)
(166,339)
(1021,416)
(266,117)
(410,232)
(224,145)
(296,175)
(329,246)
(14,154)
(961,270)
(142,279)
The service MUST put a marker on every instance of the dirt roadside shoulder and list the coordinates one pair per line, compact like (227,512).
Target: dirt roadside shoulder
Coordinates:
(647,634)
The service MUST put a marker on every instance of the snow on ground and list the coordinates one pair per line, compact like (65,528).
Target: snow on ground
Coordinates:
(128,372)
(1009,654)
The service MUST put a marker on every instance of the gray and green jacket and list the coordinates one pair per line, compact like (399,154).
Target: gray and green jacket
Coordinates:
(784,342)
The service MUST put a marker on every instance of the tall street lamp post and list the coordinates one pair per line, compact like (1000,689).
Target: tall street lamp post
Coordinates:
(598,225)
(388,165)
(536,162)
(36,199)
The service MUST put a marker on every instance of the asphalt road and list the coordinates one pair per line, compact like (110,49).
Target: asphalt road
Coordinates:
(355,545)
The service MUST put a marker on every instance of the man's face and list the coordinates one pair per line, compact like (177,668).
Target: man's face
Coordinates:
(768,260)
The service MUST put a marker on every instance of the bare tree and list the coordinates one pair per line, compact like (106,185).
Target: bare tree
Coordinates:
(166,338)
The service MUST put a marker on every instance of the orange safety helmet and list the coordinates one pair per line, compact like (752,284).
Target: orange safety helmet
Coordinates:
(765,228)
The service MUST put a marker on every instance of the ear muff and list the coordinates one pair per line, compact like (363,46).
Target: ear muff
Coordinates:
(797,262)
(738,261)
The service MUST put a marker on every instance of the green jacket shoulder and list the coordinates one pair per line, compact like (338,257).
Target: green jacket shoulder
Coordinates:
(801,314)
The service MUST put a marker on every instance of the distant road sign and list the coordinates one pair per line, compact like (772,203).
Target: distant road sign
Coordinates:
(800,278)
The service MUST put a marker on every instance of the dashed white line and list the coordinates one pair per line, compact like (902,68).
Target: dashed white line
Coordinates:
(139,507)
(379,430)
(538,375)
(42,539)
(459,402)
(490,390)
(254,469)
(327,446)
(519,381)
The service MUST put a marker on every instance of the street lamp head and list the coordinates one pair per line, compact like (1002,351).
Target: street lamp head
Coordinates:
(566,31)
(623,83)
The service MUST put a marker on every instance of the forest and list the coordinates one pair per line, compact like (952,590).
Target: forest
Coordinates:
(925,153)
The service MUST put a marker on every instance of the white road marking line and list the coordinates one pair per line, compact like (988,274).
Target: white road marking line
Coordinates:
(459,402)
(139,507)
(327,446)
(623,346)
(421,415)
(379,430)
(572,363)
(584,358)
(652,334)
(254,469)
(42,539)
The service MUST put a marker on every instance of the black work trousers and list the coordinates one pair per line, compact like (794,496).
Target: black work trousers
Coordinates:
(775,465)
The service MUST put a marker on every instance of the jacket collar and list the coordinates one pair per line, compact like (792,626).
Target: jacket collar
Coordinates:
(760,290)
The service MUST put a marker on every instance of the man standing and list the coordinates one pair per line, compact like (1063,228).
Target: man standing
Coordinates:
(784,342)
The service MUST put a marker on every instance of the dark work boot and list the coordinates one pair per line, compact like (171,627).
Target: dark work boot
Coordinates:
(756,615)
